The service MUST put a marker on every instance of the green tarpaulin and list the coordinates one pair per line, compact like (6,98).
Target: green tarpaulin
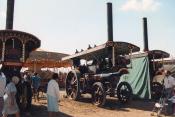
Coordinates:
(139,77)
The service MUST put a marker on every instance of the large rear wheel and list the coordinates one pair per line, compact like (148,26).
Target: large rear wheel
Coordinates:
(72,86)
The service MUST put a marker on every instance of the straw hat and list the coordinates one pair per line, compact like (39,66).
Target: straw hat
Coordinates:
(15,79)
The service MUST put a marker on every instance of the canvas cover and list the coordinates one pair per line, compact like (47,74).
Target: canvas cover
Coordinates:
(139,77)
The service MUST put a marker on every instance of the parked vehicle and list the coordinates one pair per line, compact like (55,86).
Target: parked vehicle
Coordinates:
(97,71)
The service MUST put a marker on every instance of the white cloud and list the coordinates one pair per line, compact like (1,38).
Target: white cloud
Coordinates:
(141,5)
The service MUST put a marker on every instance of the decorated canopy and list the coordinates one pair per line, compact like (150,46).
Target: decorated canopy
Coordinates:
(101,50)
(46,59)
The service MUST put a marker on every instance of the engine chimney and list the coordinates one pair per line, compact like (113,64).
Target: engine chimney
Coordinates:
(109,20)
(145,35)
(10,11)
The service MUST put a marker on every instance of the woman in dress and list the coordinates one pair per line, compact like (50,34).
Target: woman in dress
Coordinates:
(53,95)
(10,105)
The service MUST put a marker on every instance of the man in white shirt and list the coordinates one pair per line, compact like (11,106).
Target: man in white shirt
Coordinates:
(53,96)
(2,90)
(169,84)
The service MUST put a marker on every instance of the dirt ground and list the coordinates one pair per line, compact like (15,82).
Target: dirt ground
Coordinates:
(84,108)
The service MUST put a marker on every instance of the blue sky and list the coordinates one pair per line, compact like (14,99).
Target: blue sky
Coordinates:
(66,25)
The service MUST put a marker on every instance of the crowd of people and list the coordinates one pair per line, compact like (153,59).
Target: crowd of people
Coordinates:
(10,93)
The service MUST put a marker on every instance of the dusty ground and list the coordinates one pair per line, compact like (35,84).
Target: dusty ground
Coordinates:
(84,108)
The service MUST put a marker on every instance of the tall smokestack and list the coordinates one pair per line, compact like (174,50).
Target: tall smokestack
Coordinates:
(109,20)
(145,35)
(10,11)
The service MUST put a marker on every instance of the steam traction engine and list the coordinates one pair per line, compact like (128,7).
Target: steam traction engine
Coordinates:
(100,72)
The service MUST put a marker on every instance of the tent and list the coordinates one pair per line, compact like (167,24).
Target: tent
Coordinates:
(139,77)
(45,59)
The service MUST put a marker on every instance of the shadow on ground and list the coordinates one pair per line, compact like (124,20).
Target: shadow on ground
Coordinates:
(41,111)
(85,101)
(114,104)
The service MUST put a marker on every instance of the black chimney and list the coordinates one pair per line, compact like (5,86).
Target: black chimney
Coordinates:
(109,20)
(9,17)
(145,34)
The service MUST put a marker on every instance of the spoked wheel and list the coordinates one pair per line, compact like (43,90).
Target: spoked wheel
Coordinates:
(72,86)
(156,90)
(98,94)
(124,92)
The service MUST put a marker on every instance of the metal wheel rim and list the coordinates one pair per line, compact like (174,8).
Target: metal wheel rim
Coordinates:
(72,87)
(124,93)
(98,95)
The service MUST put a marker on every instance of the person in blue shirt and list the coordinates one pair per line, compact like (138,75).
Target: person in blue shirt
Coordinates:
(36,80)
